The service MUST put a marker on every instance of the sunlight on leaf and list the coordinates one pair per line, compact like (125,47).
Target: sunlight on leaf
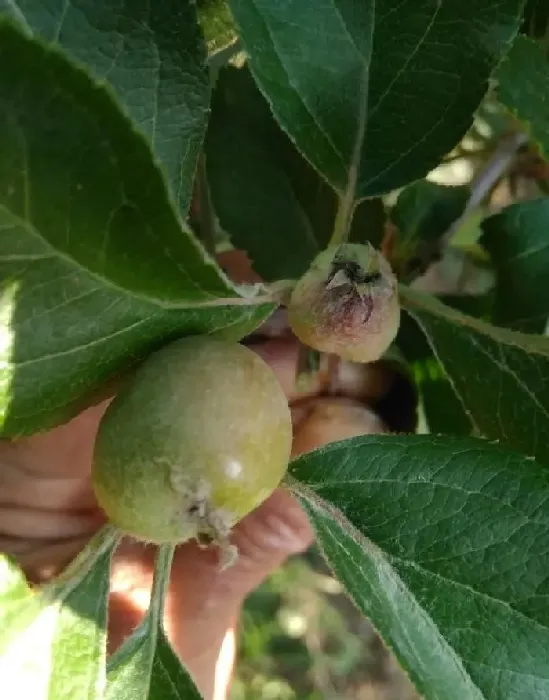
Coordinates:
(53,639)
(8,297)
(18,601)
(27,665)
(217,24)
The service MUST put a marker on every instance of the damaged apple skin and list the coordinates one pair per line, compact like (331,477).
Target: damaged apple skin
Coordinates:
(347,303)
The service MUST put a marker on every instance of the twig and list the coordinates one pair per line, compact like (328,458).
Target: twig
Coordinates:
(465,153)
(500,161)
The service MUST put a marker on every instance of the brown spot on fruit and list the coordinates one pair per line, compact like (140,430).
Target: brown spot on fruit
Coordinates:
(347,303)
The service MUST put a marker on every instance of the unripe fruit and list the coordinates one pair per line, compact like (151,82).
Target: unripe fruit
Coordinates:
(199,438)
(347,303)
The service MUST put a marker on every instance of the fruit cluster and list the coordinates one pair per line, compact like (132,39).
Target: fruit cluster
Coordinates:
(202,434)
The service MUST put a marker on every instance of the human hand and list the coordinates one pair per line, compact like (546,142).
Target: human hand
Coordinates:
(48,513)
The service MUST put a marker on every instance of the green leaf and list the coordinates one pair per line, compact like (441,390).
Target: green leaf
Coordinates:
(498,374)
(130,667)
(523,81)
(217,24)
(443,410)
(18,603)
(149,669)
(516,239)
(145,667)
(424,210)
(21,606)
(169,680)
(443,543)
(78,648)
(81,180)
(57,649)
(378,98)
(267,197)
(65,331)
(65,334)
(422,214)
(251,192)
(151,54)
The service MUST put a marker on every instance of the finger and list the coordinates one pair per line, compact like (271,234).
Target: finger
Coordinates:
(282,355)
(47,507)
(47,525)
(322,420)
(64,452)
(41,560)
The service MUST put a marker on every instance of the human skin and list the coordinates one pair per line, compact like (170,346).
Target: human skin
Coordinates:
(48,513)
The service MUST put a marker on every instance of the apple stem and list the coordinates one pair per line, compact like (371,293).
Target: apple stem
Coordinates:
(344,217)
(161,580)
